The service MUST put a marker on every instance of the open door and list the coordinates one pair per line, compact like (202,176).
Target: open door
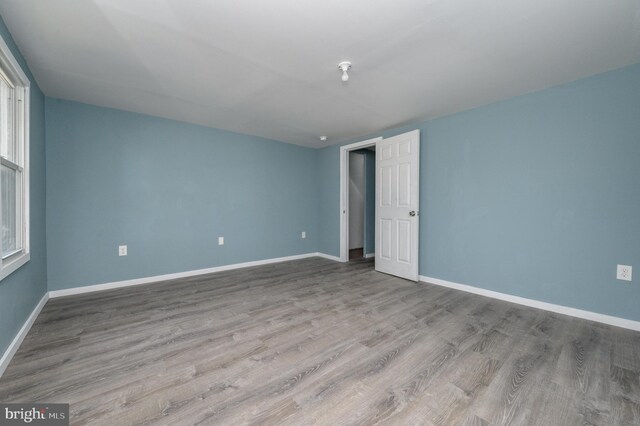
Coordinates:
(397,202)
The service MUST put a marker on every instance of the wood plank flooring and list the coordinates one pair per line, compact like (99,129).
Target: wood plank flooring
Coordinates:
(320,342)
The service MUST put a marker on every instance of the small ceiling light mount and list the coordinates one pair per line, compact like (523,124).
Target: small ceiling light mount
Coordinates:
(344,67)
(323,138)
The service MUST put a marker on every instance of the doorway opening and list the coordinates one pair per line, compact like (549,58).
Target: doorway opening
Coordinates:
(362,188)
(397,189)
(361,239)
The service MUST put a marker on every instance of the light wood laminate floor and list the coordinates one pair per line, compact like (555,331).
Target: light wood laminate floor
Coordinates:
(319,342)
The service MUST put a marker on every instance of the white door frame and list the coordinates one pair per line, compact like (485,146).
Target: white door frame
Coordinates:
(344,193)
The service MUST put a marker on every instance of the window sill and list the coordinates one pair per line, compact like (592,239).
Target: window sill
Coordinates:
(11,266)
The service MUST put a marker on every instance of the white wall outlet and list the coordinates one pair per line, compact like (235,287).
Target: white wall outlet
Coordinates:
(304,235)
(220,241)
(624,272)
(122,250)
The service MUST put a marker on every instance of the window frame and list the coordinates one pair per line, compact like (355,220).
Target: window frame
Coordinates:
(13,71)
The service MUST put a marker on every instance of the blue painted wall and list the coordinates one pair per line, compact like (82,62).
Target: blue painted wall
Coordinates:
(537,196)
(167,190)
(21,291)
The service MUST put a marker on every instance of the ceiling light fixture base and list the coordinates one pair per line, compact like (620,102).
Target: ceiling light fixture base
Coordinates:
(344,66)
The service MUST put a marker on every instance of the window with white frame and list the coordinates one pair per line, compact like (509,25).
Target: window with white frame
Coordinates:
(14,161)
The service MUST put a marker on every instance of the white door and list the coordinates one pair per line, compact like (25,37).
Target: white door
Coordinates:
(397,180)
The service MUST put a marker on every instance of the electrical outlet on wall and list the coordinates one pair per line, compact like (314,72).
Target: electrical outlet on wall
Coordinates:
(122,250)
(220,241)
(624,272)
(304,235)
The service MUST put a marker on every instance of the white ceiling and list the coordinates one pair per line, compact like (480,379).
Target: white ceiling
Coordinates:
(269,68)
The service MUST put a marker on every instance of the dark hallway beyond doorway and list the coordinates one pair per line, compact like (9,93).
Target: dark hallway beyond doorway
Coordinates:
(356,253)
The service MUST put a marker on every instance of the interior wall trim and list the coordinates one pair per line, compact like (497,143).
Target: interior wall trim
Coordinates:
(564,310)
(328,256)
(559,309)
(158,278)
(22,333)
(17,341)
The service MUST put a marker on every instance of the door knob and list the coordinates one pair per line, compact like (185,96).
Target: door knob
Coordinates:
(412,213)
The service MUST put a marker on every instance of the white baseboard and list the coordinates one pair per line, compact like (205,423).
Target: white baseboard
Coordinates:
(328,256)
(17,341)
(565,310)
(15,344)
(578,313)
(368,255)
(148,280)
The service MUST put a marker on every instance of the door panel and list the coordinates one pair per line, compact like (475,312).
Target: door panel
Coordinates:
(404,185)
(386,152)
(386,184)
(397,225)
(404,241)
(404,148)
(386,238)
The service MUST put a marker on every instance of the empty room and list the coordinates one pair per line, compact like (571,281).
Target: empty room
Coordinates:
(323,212)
